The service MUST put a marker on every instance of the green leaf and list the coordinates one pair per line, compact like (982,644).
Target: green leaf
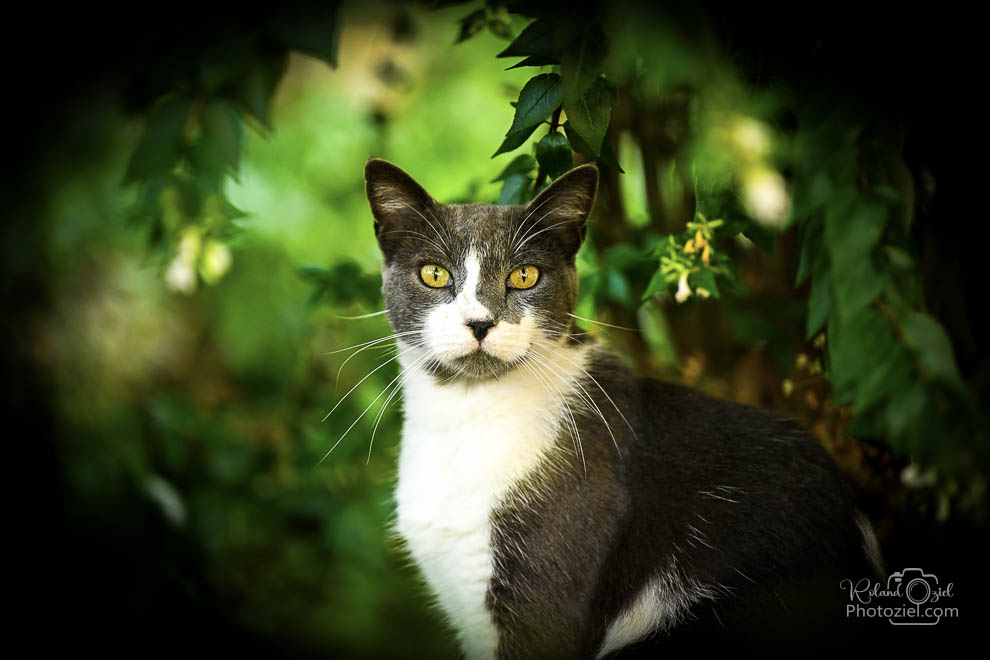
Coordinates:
(928,338)
(538,98)
(534,60)
(852,344)
(657,284)
(704,279)
(515,140)
(898,257)
(581,63)
(819,304)
(217,152)
(811,238)
(607,156)
(514,190)
(521,164)
(853,226)
(311,30)
(471,25)
(590,114)
(617,287)
(254,91)
(554,154)
(905,407)
(536,40)
(762,237)
(159,149)
(892,374)
(222,132)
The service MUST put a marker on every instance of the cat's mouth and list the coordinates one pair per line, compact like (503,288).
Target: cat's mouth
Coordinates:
(479,364)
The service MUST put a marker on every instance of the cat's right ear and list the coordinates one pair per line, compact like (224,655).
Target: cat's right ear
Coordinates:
(398,203)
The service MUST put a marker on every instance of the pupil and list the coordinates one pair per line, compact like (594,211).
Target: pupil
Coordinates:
(436,273)
(522,274)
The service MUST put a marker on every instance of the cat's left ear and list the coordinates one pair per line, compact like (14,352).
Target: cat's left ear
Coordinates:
(399,204)
(563,207)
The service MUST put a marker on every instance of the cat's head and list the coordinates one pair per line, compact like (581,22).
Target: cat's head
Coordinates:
(475,286)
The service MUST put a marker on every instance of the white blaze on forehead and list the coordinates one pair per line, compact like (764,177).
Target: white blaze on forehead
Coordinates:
(467,300)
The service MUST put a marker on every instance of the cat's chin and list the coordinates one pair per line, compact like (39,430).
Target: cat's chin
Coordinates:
(478,365)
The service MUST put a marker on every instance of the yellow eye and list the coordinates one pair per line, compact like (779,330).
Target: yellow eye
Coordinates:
(524,278)
(434,275)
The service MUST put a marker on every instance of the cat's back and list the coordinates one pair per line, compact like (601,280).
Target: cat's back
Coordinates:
(737,518)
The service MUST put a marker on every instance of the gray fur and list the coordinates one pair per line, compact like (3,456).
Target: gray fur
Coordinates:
(413,229)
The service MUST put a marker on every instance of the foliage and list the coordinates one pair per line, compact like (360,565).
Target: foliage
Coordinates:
(196,110)
(187,418)
(887,358)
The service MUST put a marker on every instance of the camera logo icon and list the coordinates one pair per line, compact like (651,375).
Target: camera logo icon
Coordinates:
(916,585)
(918,588)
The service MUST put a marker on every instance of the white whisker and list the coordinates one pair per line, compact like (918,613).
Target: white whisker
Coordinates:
(396,357)
(593,380)
(513,239)
(361,316)
(365,411)
(609,325)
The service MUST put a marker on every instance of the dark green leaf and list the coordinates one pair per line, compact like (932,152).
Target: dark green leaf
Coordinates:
(521,164)
(897,257)
(227,61)
(906,406)
(589,115)
(852,343)
(607,156)
(853,226)
(819,304)
(534,61)
(222,132)
(554,154)
(515,190)
(928,338)
(471,25)
(762,237)
(621,257)
(539,97)
(535,40)
(254,91)
(311,30)
(515,140)
(159,149)
(892,374)
(581,63)
(811,237)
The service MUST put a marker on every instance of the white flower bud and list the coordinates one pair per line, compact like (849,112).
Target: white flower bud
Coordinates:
(216,261)
(765,196)
(180,276)
(683,290)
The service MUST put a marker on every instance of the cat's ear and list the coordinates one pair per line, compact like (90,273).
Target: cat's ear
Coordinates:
(563,207)
(398,203)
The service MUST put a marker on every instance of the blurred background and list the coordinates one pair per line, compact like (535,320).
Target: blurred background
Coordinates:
(782,221)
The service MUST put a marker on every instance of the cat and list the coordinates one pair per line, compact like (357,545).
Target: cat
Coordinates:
(559,506)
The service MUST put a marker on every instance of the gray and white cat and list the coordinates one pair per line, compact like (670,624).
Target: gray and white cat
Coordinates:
(557,505)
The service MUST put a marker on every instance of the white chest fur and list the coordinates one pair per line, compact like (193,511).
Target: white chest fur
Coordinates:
(463,450)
